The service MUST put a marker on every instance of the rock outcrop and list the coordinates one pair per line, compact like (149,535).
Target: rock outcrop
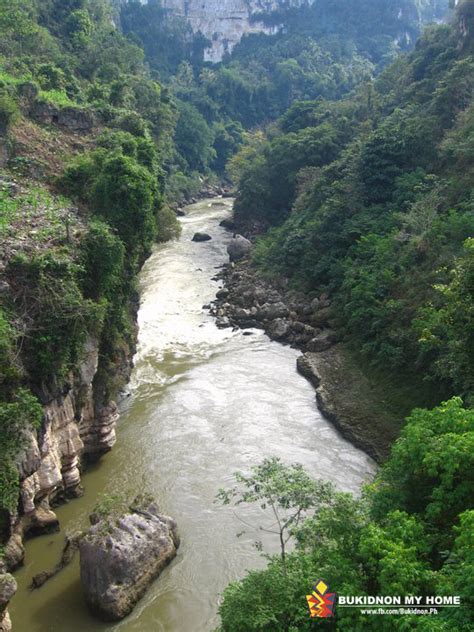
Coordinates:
(8,588)
(224,22)
(74,428)
(122,555)
(351,401)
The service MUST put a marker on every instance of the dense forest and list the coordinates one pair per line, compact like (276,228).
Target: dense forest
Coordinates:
(348,136)
(370,198)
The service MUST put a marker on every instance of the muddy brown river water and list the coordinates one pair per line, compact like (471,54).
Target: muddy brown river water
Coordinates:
(203,404)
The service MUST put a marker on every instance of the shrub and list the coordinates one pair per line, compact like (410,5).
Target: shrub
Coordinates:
(9,112)
(23,412)
(168,225)
(59,318)
(103,258)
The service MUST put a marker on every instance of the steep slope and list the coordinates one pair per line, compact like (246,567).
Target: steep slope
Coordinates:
(84,132)
(370,199)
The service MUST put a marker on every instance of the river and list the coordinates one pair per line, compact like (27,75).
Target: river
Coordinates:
(203,404)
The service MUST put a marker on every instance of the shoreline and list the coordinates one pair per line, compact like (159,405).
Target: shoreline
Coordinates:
(350,399)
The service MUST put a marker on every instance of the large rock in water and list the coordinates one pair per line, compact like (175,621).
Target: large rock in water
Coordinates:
(121,555)
(239,248)
(201,237)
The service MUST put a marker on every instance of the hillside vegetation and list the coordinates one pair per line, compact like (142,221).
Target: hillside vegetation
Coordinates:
(351,149)
(371,199)
(84,135)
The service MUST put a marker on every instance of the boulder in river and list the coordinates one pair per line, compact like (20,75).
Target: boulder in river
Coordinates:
(201,237)
(278,329)
(239,248)
(122,554)
(271,311)
(227,223)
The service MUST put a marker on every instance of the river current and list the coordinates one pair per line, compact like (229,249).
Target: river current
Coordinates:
(203,404)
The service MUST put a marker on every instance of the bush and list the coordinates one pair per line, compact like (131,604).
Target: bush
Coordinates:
(168,225)
(9,112)
(51,77)
(133,123)
(103,256)
(59,317)
(123,194)
(23,412)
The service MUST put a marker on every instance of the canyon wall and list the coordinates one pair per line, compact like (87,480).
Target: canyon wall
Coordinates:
(75,428)
(224,22)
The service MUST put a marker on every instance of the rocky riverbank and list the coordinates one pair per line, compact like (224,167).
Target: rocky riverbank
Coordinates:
(350,399)
(7,590)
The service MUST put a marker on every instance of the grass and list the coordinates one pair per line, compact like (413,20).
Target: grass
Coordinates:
(58,97)
(11,80)
(34,215)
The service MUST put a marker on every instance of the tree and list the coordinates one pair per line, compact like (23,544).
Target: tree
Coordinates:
(286,492)
(194,138)
(431,469)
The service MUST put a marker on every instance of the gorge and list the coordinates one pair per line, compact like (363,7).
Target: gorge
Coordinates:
(334,140)
(203,403)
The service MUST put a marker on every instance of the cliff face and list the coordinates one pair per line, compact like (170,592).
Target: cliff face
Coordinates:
(79,416)
(224,22)
(74,429)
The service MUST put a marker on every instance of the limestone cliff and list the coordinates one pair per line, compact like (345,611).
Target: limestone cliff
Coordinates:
(224,22)
(74,428)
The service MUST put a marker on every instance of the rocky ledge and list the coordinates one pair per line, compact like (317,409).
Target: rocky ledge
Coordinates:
(350,400)
(345,395)
(121,555)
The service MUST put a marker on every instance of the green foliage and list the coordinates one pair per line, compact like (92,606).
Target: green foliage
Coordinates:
(119,181)
(123,194)
(168,225)
(103,262)
(9,111)
(17,416)
(370,198)
(287,492)
(9,370)
(47,287)
(434,455)
(51,77)
(109,505)
(410,533)
(446,326)
(194,138)
(181,187)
